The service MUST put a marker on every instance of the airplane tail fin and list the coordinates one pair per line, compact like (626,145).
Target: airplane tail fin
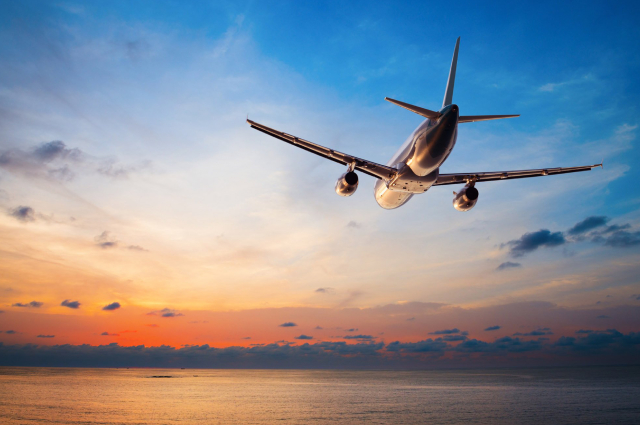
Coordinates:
(448,94)
(427,113)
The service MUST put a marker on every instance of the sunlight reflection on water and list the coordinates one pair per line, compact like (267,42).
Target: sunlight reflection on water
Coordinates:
(134,396)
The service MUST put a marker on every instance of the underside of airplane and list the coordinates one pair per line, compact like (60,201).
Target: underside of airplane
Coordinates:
(415,167)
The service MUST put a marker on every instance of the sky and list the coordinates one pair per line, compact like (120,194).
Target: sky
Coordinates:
(142,222)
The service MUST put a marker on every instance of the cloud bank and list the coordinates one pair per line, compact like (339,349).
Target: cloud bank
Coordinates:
(596,347)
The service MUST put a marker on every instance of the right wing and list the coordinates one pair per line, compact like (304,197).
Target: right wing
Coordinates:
(458,178)
(476,118)
(368,167)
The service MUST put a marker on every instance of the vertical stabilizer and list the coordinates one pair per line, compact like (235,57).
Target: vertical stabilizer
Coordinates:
(448,95)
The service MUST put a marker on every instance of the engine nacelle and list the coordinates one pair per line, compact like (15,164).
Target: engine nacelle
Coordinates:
(347,184)
(466,198)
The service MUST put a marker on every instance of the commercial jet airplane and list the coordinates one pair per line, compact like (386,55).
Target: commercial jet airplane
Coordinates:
(415,167)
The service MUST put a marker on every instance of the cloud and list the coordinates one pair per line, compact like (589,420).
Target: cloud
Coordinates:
(593,229)
(452,338)
(70,304)
(46,336)
(598,341)
(361,337)
(426,346)
(165,312)
(588,224)
(537,332)
(55,161)
(288,324)
(585,331)
(112,306)
(105,240)
(602,316)
(10,332)
(44,161)
(530,242)
(23,213)
(354,225)
(352,330)
(152,325)
(303,337)
(551,87)
(506,344)
(620,239)
(324,290)
(47,152)
(108,334)
(598,347)
(492,328)
(445,332)
(137,248)
(33,304)
(411,319)
(508,265)
(318,327)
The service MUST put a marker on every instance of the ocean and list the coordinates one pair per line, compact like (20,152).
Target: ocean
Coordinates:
(596,395)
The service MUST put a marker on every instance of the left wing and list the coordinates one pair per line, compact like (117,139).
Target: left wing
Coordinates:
(458,178)
(367,167)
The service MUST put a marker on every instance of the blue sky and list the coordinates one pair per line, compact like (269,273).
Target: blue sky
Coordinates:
(128,173)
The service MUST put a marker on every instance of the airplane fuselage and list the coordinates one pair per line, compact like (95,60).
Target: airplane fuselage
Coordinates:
(419,159)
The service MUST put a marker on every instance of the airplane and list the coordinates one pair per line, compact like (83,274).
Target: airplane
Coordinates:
(415,167)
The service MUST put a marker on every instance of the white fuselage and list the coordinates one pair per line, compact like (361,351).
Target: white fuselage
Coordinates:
(419,159)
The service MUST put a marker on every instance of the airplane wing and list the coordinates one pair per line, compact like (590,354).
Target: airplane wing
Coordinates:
(367,167)
(458,178)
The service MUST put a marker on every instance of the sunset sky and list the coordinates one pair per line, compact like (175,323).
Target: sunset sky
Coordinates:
(138,208)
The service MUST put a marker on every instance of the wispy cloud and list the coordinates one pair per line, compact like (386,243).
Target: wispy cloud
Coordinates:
(165,312)
(55,161)
(359,337)
(552,87)
(106,240)
(324,290)
(593,229)
(508,265)
(530,242)
(23,213)
(445,331)
(33,304)
(70,304)
(587,224)
(111,307)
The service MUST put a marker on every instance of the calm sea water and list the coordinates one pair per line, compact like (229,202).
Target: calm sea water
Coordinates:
(513,396)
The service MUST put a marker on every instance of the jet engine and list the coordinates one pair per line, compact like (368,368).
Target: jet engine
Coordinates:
(347,184)
(466,198)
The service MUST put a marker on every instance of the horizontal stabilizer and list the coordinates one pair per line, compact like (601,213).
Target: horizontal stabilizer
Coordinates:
(427,113)
(474,118)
